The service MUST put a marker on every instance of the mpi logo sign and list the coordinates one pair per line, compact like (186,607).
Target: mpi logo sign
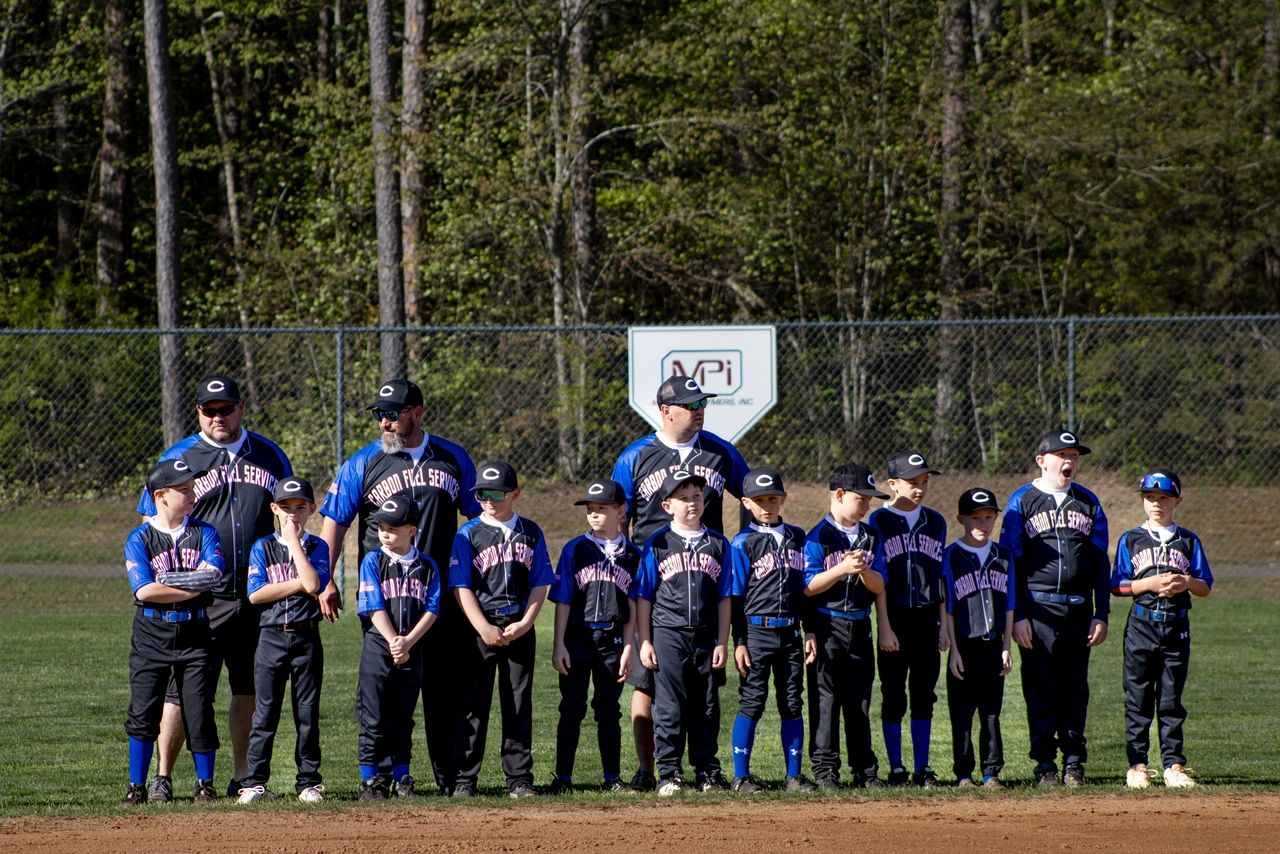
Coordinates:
(717,371)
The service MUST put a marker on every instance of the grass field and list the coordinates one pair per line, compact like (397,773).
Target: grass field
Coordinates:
(63,691)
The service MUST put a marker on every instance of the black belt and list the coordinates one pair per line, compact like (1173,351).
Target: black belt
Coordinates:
(172,616)
(299,626)
(1057,598)
(1156,615)
(994,634)
(771,622)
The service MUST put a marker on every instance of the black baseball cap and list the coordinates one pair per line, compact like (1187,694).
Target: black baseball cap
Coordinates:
(677,390)
(167,473)
(217,387)
(293,487)
(496,474)
(603,492)
(677,479)
(763,481)
(1162,481)
(1060,440)
(397,394)
(852,477)
(977,499)
(395,512)
(908,464)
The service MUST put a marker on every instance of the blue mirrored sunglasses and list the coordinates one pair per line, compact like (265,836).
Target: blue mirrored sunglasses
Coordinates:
(693,407)
(1158,484)
(389,414)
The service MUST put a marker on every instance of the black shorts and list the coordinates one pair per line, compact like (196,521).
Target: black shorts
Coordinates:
(234,625)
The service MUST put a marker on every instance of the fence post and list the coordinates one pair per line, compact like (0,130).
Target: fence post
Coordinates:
(340,364)
(1071,374)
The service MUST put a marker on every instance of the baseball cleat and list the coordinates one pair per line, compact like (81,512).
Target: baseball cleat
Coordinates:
(1073,775)
(747,785)
(1175,777)
(925,778)
(161,790)
(871,782)
(312,794)
(965,783)
(407,787)
(799,783)
(135,795)
(374,789)
(560,786)
(249,794)
(205,793)
(1046,775)
(711,781)
(617,787)
(992,782)
(1137,777)
(521,789)
(899,777)
(643,781)
(233,787)
(672,786)
(828,782)
(464,789)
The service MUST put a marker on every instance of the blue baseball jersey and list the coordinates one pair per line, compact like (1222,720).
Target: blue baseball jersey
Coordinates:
(439,483)
(234,496)
(149,550)
(594,579)
(500,565)
(684,577)
(1058,548)
(912,555)
(980,588)
(1141,553)
(407,587)
(271,563)
(766,568)
(646,462)
(825,546)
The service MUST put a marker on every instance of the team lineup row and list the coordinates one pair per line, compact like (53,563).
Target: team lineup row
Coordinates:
(223,572)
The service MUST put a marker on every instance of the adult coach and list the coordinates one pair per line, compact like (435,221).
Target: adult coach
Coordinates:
(680,443)
(234,496)
(1056,532)
(438,477)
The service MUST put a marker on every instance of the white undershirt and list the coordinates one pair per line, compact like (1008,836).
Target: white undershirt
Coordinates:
(774,530)
(611,548)
(175,533)
(684,448)
(232,448)
(690,535)
(1164,535)
(851,533)
(910,515)
(404,559)
(981,552)
(508,527)
(415,453)
(1059,495)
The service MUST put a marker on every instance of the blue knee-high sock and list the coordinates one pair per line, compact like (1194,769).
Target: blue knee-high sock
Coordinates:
(744,736)
(368,771)
(204,764)
(139,760)
(920,731)
(399,772)
(892,743)
(793,744)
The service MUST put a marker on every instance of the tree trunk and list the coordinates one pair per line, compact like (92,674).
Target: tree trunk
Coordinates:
(386,190)
(582,195)
(164,155)
(66,213)
(113,160)
(417,25)
(1108,27)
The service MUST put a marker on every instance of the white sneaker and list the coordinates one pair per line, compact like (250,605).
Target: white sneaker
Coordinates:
(254,793)
(312,794)
(1137,777)
(1175,777)
(671,786)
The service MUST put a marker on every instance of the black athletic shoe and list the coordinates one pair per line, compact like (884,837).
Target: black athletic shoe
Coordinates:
(747,785)
(617,787)
(464,789)
(1046,775)
(711,781)
(1073,775)
(643,781)
(871,783)
(560,786)
(925,778)
(134,796)
(407,787)
(161,790)
(799,783)
(521,789)
(233,788)
(828,782)
(375,788)
(205,793)
(899,777)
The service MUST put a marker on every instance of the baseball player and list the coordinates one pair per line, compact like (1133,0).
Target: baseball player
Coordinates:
(594,627)
(980,591)
(437,476)
(500,574)
(287,571)
(1056,533)
(683,611)
(173,562)
(910,614)
(398,600)
(1161,565)
(234,496)
(843,572)
(680,443)
(767,569)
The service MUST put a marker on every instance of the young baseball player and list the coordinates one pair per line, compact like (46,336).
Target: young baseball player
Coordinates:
(767,571)
(500,573)
(173,562)
(909,614)
(1056,534)
(683,614)
(843,573)
(398,599)
(594,627)
(1161,565)
(979,580)
(287,571)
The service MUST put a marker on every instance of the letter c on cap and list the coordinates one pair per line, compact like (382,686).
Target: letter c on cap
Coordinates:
(871,479)
(680,475)
(691,385)
(386,391)
(981,496)
(1069,438)
(916,460)
(491,473)
(764,480)
(179,465)
(292,486)
(389,506)
(596,489)
(215,386)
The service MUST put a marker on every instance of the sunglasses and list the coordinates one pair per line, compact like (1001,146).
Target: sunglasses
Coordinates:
(692,407)
(388,414)
(1158,484)
(218,411)
(494,495)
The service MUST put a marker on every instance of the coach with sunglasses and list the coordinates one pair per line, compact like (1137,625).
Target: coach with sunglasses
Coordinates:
(234,496)
(438,477)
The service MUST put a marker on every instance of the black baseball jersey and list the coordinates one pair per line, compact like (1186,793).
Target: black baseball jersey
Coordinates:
(271,563)
(1141,552)
(824,547)
(407,587)
(912,555)
(149,550)
(767,569)
(234,496)
(439,483)
(501,566)
(594,578)
(1058,548)
(980,588)
(684,577)
(646,462)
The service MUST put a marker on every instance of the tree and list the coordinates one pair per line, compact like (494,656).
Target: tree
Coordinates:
(386,189)
(113,158)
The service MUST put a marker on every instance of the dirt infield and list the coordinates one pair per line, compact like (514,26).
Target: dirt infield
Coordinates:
(1182,821)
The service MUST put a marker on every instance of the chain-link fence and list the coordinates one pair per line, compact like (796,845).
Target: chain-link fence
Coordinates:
(80,410)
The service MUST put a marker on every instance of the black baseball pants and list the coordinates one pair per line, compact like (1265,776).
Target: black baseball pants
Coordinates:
(840,686)
(514,663)
(1156,660)
(1055,680)
(299,658)
(593,657)
(779,652)
(386,696)
(686,700)
(981,691)
(161,651)
(913,666)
